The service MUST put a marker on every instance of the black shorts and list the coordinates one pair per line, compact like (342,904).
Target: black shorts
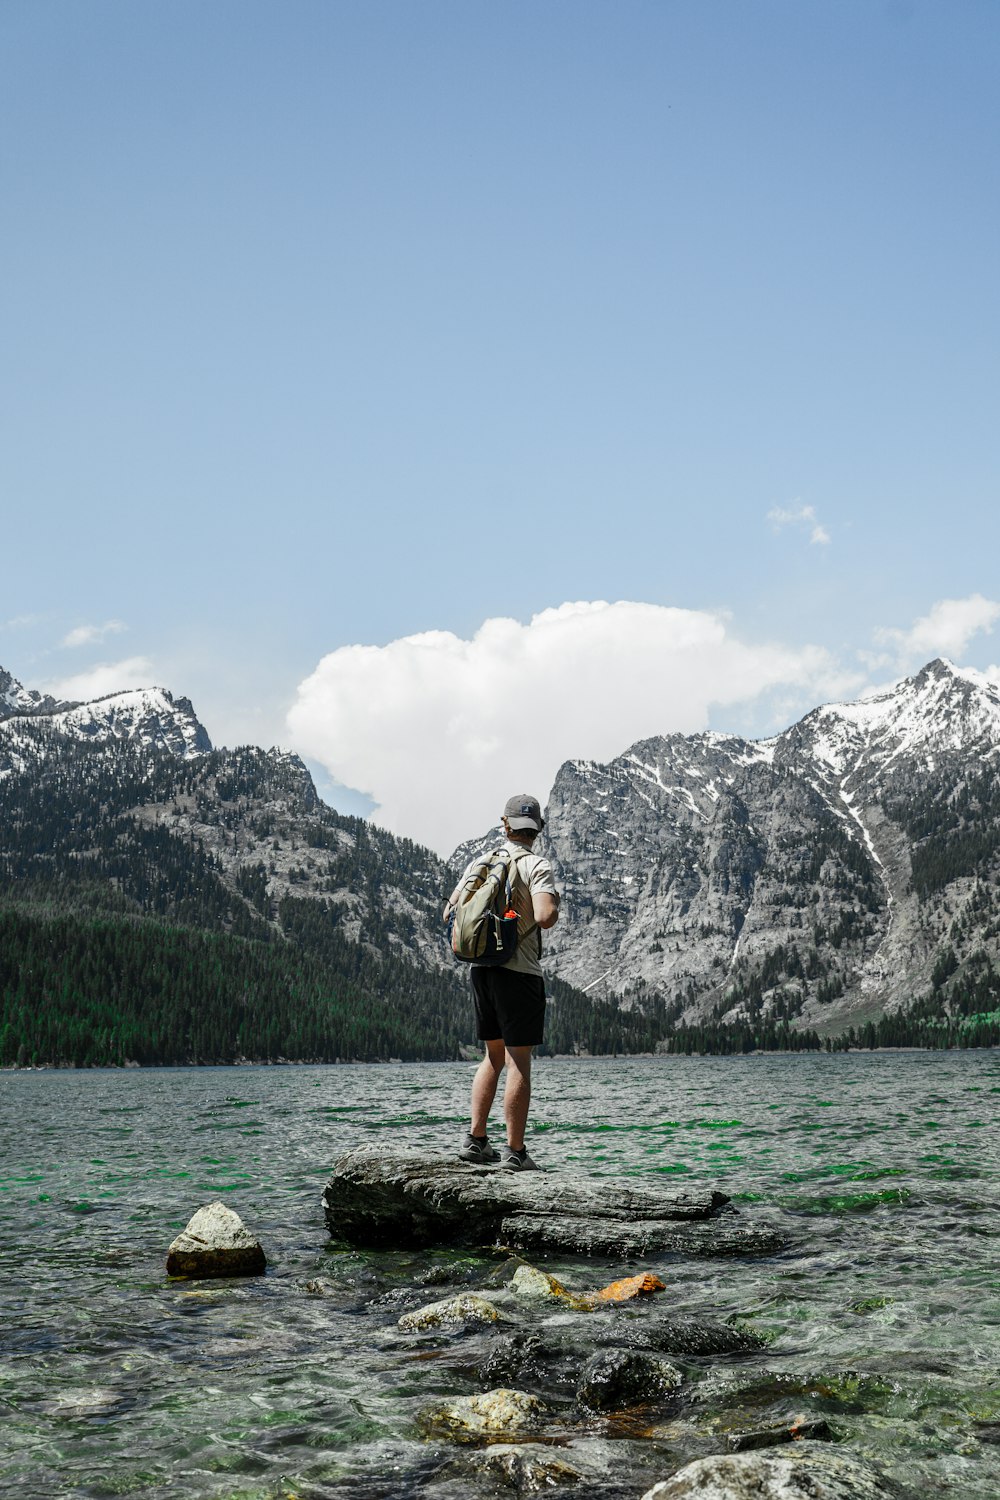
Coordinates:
(509,1005)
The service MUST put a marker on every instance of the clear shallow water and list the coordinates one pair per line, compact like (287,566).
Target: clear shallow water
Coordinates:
(883,1314)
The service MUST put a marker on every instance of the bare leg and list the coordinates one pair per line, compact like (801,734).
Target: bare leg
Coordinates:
(484,1085)
(517,1094)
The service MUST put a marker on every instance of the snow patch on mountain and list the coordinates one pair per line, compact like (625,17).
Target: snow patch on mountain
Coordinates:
(944,708)
(150,717)
(15,698)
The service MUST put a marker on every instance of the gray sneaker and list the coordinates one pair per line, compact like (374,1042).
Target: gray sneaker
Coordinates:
(517,1161)
(477,1151)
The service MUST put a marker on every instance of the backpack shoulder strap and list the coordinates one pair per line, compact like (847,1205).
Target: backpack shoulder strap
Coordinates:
(514,859)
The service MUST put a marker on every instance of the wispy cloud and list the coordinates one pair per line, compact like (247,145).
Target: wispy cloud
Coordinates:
(945,630)
(440,730)
(21,622)
(91,635)
(104,678)
(803,516)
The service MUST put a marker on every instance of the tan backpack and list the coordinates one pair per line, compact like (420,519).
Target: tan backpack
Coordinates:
(482,929)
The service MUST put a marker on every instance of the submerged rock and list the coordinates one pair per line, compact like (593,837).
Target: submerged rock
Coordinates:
(527,1359)
(807,1471)
(453,1312)
(552,1359)
(215,1242)
(690,1336)
(784,1432)
(845,1390)
(91,1403)
(408,1199)
(615,1379)
(468,1419)
(525,1468)
(517,1356)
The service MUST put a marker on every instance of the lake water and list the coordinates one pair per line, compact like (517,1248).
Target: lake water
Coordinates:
(882,1315)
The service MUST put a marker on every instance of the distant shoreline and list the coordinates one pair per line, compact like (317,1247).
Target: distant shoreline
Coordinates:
(398,1062)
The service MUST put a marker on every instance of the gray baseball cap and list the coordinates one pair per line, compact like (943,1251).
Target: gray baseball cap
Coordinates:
(523,811)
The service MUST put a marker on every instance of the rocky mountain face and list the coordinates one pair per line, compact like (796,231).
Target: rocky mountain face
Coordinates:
(826,876)
(822,879)
(122,789)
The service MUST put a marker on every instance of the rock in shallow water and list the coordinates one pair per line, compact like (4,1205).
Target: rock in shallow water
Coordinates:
(553,1364)
(553,1361)
(807,1471)
(615,1379)
(526,1468)
(529,1281)
(607,1235)
(215,1242)
(408,1199)
(691,1336)
(499,1413)
(783,1432)
(627,1289)
(454,1312)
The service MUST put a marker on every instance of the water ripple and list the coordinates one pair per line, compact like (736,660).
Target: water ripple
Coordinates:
(883,1169)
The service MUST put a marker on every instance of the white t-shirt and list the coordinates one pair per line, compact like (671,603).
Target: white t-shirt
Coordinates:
(533,873)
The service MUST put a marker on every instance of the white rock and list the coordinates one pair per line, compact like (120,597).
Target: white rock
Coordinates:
(805,1471)
(467,1308)
(502,1412)
(215,1242)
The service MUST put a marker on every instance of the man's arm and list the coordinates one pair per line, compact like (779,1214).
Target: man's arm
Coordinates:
(545,907)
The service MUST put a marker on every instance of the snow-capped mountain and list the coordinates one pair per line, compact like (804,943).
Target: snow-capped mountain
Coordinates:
(944,710)
(17,699)
(824,875)
(148,717)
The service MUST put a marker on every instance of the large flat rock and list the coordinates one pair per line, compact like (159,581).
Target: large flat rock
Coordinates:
(410,1198)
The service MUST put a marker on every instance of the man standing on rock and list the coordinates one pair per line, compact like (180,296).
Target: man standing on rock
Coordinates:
(510,999)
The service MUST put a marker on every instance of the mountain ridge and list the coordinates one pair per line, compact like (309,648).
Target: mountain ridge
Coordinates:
(822,875)
(838,880)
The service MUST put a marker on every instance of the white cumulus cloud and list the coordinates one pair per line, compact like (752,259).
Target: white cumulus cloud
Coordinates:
(945,630)
(439,731)
(89,635)
(104,678)
(803,515)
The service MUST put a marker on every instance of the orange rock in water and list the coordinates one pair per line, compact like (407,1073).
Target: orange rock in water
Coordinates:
(631,1286)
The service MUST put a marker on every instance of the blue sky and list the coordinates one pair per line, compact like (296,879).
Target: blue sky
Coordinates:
(328,325)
